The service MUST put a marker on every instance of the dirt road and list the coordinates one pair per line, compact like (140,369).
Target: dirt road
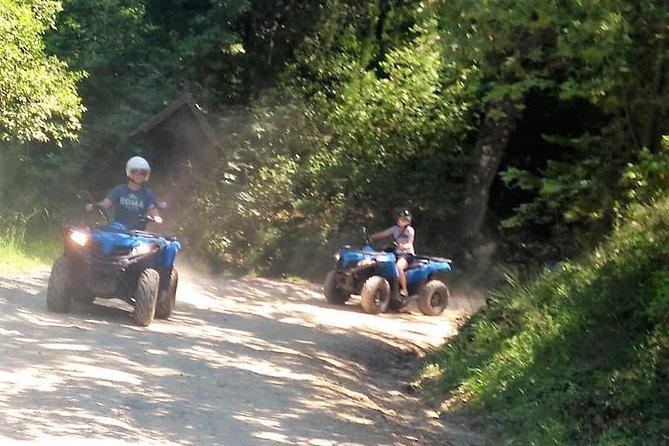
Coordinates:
(240,362)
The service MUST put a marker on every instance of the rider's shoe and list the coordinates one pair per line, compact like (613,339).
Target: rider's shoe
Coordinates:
(404,293)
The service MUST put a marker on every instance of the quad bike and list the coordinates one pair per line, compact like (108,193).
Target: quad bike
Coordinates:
(373,275)
(111,260)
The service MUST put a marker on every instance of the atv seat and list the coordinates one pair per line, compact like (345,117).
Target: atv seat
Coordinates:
(419,261)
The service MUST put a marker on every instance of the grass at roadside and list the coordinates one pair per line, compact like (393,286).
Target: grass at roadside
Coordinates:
(578,356)
(25,257)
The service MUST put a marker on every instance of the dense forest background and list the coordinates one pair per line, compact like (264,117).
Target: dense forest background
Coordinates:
(525,136)
(518,132)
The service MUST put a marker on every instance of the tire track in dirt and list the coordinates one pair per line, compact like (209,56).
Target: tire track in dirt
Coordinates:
(240,362)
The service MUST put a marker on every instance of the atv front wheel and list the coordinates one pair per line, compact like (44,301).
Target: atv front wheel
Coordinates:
(85,298)
(433,298)
(58,294)
(146,296)
(84,295)
(375,295)
(333,294)
(167,297)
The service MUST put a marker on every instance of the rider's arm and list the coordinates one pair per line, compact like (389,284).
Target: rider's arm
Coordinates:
(153,212)
(381,234)
(111,198)
(104,204)
(152,207)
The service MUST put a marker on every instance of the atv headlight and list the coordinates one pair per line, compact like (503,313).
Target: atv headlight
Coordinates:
(142,248)
(337,256)
(79,237)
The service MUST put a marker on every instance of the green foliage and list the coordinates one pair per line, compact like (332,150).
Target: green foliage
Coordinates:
(247,218)
(18,258)
(385,125)
(577,56)
(37,188)
(402,101)
(334,113)
(647,180)
(13,227)
(39,101)
(577,356)
(17,252)
(299,174)
(397,119)
(106,39)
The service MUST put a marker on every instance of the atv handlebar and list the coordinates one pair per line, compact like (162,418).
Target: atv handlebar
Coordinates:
(96,207)
(365,234)
(93,207)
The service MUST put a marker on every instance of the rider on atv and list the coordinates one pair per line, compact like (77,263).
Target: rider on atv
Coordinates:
(132,201)
(403,235)
(118,259)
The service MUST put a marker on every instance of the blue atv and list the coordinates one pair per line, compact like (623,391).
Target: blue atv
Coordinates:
(373,275)
(111,260)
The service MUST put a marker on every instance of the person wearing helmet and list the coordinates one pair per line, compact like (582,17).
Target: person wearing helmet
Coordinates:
(403,235)
(132,201)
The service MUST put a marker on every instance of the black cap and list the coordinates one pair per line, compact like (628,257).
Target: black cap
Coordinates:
(405,214)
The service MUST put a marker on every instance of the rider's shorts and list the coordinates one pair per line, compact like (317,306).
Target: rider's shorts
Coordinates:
(407,256)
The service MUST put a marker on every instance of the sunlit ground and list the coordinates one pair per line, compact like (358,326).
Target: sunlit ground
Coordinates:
(240,362)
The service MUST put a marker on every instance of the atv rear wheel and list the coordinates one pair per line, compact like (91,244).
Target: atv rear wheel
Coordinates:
(433,298)
(146,296)
(167,297)
(375,295)
(59,292)
(333,294)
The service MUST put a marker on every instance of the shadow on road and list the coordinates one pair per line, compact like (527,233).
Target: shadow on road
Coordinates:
(240,362)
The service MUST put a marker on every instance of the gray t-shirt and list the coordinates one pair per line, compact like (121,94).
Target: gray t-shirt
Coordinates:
(404,235)
(131,205)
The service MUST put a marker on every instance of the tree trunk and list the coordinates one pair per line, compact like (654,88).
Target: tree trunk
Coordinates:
(494,134)
(654,136)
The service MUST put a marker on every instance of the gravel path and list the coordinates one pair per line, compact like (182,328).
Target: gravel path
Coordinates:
(240,362)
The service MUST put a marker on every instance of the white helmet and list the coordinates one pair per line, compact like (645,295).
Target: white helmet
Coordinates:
(137,163)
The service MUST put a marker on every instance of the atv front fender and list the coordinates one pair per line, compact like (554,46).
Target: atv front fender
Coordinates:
(170,254)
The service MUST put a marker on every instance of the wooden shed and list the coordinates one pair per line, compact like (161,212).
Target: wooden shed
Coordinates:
(178,140)
(178,137)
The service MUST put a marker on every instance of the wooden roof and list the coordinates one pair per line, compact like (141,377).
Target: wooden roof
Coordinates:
(184,102)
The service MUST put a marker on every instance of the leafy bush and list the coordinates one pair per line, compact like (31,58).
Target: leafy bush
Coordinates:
(577,356)
(648,179)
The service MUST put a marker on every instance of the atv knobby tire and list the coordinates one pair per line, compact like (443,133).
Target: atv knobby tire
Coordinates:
(84,296)
(59,292)
(333,294)
(433,298)
(146,296)
(167,297)
(375,295)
